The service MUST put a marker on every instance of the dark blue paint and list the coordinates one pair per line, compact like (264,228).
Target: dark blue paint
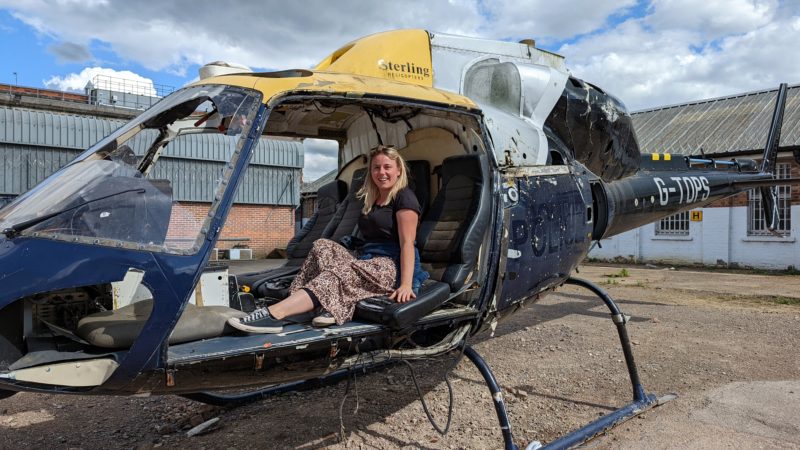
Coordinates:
(549,228)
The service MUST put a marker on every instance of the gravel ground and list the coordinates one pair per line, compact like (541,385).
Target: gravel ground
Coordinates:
(726,344)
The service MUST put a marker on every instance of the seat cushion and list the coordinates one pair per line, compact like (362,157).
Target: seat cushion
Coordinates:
(120,327)
(397,316)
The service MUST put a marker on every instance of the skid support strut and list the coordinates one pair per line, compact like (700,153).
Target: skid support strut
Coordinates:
(641,400)
(497,396)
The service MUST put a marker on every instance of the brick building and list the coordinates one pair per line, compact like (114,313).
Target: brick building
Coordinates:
(730,232)
(42,130)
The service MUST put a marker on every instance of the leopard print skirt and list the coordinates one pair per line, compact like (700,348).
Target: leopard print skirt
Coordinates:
(339,280)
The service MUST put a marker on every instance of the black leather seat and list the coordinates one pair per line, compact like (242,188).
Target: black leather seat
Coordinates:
(345,220)
(328,198)
(448,239)
(397,316)
(419,180)
(451,234)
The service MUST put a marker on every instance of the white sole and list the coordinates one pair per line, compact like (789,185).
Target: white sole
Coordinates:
(236,323)
(322,324)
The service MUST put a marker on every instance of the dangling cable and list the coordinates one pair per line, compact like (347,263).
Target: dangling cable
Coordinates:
(436,427)
(341,410)
(346,393)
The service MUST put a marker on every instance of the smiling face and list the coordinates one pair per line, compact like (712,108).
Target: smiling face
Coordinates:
(384,172)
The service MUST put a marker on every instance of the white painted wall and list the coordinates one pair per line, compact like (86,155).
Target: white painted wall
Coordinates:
(720,239)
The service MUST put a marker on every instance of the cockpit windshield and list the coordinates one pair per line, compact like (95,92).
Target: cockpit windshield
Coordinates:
(151,184)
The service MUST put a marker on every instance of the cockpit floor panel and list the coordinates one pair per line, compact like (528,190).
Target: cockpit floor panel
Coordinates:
(296,336)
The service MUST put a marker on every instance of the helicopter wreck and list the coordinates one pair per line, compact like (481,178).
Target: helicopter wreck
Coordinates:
(518,167)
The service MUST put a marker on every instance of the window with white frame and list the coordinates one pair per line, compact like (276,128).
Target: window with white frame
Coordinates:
(756,226)
(674,225)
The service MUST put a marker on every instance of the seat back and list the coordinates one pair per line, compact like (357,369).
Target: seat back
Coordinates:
(452,231)
(328,197)
(345,219)
(419,176)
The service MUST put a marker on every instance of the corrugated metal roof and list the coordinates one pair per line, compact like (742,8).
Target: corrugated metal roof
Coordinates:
(34,144)
(23,167)
(64,131)
(737,123)
(313,186)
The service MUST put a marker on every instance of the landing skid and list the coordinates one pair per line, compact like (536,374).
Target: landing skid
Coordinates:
(244,398)
(641,400)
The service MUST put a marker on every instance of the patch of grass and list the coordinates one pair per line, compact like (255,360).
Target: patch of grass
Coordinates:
(623,273)
(787,300)
(732,268)
(761,299)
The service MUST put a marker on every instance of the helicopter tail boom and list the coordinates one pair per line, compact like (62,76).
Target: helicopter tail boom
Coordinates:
(668,184)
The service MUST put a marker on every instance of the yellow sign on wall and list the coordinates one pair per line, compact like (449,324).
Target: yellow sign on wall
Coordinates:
(697,216)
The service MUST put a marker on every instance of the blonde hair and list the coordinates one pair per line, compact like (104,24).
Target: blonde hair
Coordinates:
(369,191)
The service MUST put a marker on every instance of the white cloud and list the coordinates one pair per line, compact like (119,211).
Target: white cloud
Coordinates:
(115,80)
(320,158)
(712,17)
(679,50)
(652,62)
(542,19)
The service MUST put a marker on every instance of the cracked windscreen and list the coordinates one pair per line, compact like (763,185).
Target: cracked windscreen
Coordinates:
(152,184)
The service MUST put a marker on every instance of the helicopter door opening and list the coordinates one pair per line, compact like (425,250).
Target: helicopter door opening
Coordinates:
(448,169)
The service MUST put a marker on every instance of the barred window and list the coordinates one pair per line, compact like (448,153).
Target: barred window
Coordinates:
(674,225)
(756,225)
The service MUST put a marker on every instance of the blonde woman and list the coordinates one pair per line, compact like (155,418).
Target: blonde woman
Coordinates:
(388,264)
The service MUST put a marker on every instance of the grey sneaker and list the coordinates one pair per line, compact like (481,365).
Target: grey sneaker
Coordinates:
(323,320)
(258,321)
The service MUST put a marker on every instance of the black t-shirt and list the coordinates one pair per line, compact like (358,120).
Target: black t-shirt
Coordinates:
(380,225)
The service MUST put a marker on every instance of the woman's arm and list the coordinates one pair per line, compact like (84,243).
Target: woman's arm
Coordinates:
(407,229)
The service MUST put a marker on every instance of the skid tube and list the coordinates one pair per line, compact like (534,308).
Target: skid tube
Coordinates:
(245,398)
(641,400)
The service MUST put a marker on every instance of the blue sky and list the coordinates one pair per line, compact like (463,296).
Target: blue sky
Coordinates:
(647,53)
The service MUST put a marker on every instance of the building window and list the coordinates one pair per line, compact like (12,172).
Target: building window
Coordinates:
(756,226)
(674,225)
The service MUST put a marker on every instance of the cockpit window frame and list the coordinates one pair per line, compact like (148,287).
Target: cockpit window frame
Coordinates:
(123,134)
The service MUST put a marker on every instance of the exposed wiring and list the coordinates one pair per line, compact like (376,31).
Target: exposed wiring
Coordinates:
(374,126)
(316,105)
(436,426)
(347,392)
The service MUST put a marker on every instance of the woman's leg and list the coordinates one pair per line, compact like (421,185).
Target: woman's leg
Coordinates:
(324,254)
(297,303)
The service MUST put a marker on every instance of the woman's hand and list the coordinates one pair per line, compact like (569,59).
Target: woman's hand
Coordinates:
(403,294)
